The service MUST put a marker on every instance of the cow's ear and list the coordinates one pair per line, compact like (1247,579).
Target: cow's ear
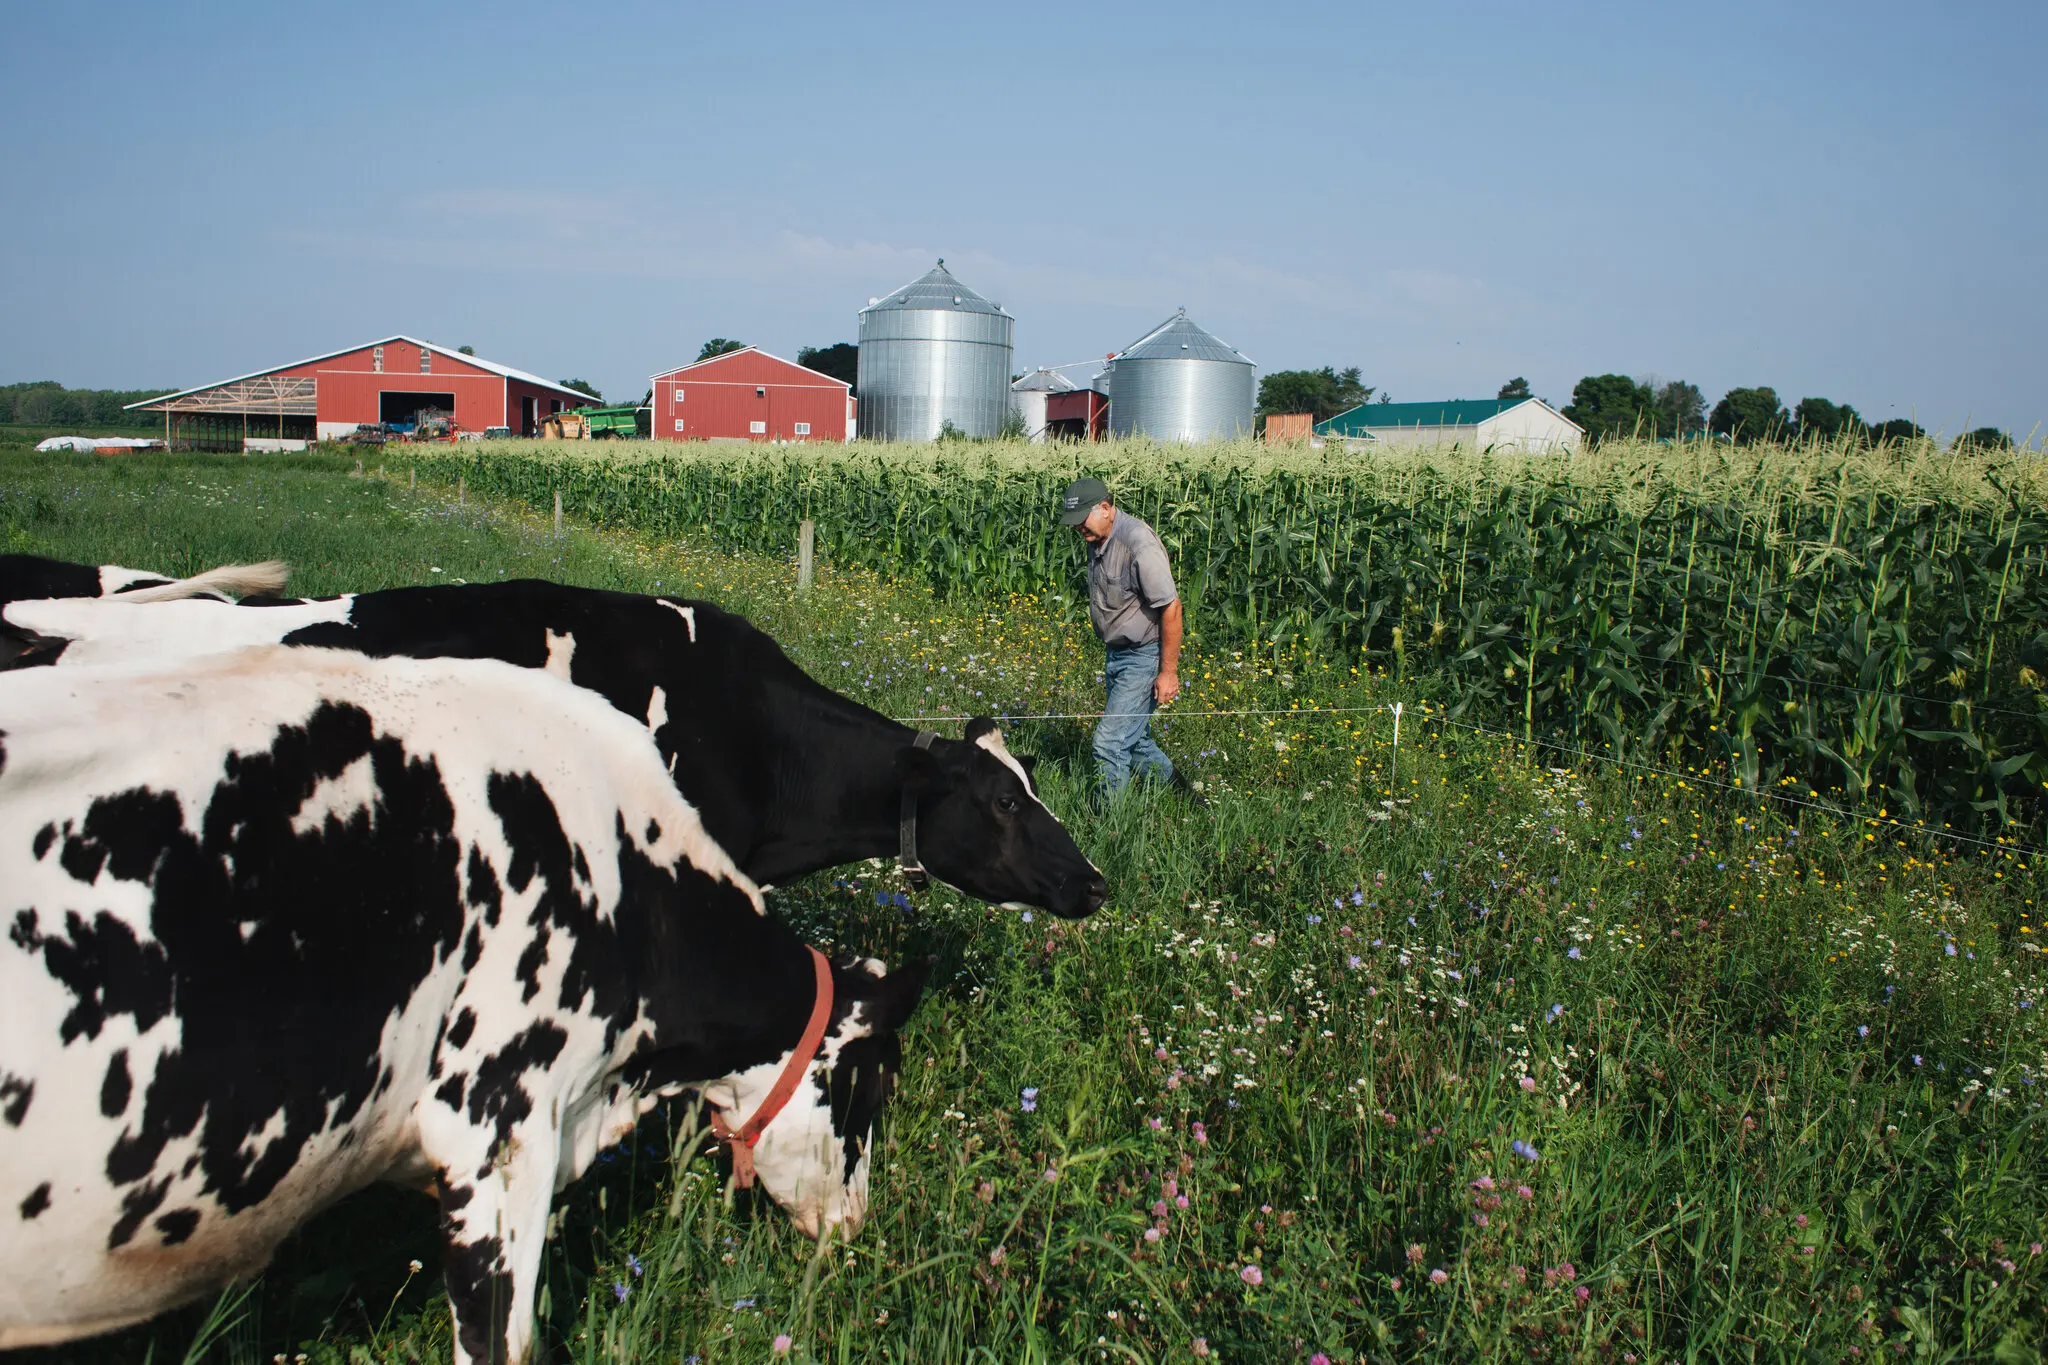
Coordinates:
(897,994)
(919,770)
(976,728)
(1029,763)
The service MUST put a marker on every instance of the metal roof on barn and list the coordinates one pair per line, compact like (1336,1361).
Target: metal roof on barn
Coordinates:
(506,371)
(1178,338)
(1458,412)
(935,290)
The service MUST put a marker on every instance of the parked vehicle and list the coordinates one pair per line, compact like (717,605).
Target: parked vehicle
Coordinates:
(613,423)
(435,425)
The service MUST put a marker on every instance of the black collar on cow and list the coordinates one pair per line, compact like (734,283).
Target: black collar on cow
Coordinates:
(906,857)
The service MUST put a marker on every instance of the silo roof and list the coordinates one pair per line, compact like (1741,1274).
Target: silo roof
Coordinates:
(1178,338)
(935,290)
(1043,381)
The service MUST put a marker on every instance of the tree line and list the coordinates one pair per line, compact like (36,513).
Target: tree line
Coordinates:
(1614,405)
(46,403)
(1608,406)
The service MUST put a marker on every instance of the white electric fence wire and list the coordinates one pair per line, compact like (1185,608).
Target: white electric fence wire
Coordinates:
(1396,708)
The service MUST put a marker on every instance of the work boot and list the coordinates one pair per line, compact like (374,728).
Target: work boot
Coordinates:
(1187,790)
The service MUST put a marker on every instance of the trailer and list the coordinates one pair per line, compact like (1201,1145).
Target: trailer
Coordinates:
(627,423)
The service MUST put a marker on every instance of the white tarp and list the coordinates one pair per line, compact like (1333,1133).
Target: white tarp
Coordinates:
(97,443)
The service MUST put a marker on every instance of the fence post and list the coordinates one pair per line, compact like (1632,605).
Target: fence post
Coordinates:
(1394,763)
(806,553)
(558,512)
(412,477)
(359,469)
(461,490)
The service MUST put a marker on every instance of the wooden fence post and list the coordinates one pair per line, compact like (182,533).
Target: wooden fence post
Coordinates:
(806,553)
(461,490)
(412,477)
(558,511)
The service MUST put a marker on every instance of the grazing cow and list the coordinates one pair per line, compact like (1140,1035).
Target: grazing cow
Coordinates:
(25,577)
(282,923)
(790,776)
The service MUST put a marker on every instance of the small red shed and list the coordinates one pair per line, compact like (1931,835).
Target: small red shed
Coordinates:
(1078,415)
(750,395)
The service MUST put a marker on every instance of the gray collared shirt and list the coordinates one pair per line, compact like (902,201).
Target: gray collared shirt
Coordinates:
(1129,583)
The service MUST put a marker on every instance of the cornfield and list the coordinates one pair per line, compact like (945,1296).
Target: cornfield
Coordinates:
(1831,622)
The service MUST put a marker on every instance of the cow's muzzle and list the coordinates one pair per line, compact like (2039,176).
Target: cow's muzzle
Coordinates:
(1080,896)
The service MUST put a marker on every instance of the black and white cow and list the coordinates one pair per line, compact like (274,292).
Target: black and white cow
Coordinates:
(26,577)
(284,922)
(791,777)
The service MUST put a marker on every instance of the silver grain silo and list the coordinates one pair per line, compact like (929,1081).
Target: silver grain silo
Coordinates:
(931,353)
(1178,383)
(1028,395)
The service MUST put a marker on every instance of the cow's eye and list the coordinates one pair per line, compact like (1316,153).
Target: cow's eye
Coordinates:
(1007,804)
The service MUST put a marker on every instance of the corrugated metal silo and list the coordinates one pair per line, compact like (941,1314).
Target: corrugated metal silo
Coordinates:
(1179,383)
(1027,399)
(931,353)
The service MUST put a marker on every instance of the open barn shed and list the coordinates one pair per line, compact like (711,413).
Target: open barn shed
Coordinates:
(1525,424)
(328,396)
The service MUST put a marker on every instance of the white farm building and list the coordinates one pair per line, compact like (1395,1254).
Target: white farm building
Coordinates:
(1525,424)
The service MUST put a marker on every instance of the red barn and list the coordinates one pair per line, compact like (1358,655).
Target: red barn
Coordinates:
(383,381)
(749,395)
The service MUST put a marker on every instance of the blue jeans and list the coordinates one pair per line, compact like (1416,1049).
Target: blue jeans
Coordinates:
(1123,738)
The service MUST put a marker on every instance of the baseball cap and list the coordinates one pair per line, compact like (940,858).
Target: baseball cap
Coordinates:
(1080,499)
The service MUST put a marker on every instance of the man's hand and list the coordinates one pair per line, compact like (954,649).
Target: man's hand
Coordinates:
(1166,686)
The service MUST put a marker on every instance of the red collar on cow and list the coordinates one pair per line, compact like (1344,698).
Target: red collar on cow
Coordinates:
(906,858)
(741,1140)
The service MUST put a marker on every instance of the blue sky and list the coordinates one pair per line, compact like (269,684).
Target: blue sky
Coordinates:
(1836,200)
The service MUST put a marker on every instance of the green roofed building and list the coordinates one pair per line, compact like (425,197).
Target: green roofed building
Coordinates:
(1527,424)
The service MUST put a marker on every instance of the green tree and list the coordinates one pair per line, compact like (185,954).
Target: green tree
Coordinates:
(1898,429)
(1325,392)
(1515,390)
(720,346)
(1986,439)
(465,350)
(45,402)
(1681,409)
(1820,420)
(840,360)
(583,386)
(1749,415)
(1608,405)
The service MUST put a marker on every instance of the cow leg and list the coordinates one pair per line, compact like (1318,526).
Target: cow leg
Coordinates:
(494,1216)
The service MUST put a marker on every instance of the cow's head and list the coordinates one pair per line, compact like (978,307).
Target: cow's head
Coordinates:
(812,1158)
(982,828)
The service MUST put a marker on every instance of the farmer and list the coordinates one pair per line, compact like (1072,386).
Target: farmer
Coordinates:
(1137,612)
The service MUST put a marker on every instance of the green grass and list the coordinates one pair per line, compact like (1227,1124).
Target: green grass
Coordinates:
(1775,1118)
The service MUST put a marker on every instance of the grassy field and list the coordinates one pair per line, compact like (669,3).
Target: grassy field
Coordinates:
(1460,1056)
